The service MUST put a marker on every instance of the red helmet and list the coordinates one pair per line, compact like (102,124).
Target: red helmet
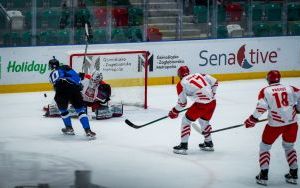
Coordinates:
(183,71)
(273,76)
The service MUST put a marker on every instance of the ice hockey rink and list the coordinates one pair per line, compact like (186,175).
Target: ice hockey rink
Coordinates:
(33,149)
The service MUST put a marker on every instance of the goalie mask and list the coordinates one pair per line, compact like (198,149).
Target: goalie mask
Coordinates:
(96,78)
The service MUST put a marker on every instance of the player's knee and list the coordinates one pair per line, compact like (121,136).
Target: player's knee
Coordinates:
(80,111)
(287,145)
(64,112)
(186,121)
(203,122)
(265,147)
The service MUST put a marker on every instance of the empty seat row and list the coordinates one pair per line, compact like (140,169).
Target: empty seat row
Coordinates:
(260,11)
(12,4)
(61,37)
(54,18)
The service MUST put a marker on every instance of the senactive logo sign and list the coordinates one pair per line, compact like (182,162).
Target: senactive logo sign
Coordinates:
(245,58)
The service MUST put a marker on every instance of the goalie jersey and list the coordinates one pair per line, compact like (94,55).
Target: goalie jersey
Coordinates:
(282,103)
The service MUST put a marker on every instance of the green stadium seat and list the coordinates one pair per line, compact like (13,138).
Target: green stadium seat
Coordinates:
(276,29)
(28,17)
(294,29)
(55,3)
(119,35)
(26,38)
(135,34)
(79,36)
(273,11)
(99,36)
(12,39)
(100,2)
(222,31)
(19,3)
(2,21)
(50,18)
(82,16)
(221,14)
(63,37)
(200,13)
(293,13)
(135,16)
(261,30)
(47,37)
(120,2)
(4,3)
(257,12)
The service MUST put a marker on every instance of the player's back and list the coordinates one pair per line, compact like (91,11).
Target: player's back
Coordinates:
(198,88)
(281,102)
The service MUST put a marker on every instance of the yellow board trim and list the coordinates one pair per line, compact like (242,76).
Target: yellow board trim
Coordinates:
(17,88)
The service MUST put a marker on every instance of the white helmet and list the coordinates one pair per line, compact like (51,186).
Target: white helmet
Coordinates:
(97,77)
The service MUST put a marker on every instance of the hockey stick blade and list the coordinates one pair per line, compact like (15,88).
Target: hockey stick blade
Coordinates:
(140,126)
(132,125)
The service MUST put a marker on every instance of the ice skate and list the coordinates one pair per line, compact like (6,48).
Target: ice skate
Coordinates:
(90,134)
(207,146)
(292,176)
(262,177)
(181,149)
(68,131)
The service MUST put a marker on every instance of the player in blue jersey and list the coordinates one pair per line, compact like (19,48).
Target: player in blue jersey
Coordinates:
(67,86)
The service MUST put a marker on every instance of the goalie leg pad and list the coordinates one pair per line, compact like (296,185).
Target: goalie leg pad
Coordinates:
(117,110)
(103,113)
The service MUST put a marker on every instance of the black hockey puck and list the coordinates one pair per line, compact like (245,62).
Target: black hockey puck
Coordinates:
(45,95)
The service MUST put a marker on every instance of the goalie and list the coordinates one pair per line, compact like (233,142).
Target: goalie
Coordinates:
(96,94)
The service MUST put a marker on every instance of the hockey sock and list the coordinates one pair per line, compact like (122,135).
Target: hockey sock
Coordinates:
(66,117)
(290,154)
(84,120)
(264,155)
(185,130)
(206,128)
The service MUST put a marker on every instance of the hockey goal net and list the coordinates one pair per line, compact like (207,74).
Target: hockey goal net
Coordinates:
(125,71)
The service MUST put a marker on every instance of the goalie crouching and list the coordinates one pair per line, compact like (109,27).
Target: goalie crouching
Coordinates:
(96,94)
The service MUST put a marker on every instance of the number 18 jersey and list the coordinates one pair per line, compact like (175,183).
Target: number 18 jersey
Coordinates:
(280,101)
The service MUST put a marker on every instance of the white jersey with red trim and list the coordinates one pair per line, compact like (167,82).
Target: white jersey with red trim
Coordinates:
(89,91)
(200,88)
(280,101)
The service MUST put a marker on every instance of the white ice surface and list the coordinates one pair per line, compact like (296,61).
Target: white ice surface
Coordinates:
(33,150)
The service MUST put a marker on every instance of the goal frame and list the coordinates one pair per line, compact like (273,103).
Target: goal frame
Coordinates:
(146,53)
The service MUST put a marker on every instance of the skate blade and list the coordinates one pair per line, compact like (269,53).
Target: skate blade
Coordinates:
(262,182)
(69,134)
(207,149)
(91,137)
(181,152)
(291,181)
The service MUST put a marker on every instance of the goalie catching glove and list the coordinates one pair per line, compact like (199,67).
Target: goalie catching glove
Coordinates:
(250,122)
(173,113)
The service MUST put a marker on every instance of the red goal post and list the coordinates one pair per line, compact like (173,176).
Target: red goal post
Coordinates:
(126,72)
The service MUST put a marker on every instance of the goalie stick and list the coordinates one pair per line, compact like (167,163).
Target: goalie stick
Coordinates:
(198,129)
(143,125)
(85,66)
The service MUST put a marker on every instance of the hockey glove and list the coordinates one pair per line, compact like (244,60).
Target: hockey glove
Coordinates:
(173,113)
(250,122)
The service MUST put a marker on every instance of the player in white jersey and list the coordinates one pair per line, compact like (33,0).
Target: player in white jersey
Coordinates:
(201,89)
(282,103)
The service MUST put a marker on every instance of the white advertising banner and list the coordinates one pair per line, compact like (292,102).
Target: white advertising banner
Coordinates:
(30,64)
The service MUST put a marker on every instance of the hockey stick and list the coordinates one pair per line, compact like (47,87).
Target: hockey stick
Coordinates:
(143,125)
(87,35)
(198,129)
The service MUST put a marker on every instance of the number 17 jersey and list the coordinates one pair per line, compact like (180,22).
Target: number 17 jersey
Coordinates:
(280,101)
